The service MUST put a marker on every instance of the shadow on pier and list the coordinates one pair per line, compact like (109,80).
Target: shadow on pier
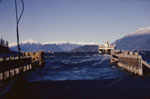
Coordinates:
(86,89)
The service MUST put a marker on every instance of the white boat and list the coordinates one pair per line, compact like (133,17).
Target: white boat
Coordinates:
(106,48)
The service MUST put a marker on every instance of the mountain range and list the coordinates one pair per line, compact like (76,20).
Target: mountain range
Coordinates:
(138,40)
(31,45)
(62,46)
(86,48)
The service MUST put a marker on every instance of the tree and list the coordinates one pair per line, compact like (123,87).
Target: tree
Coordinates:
(2,42)
(7,43)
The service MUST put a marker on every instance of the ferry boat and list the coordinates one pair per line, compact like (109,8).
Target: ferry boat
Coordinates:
(106,48)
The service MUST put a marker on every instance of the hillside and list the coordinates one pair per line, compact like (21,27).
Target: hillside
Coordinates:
(86,48)
(138,40)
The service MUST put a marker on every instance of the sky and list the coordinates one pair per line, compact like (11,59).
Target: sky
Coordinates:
(74,20)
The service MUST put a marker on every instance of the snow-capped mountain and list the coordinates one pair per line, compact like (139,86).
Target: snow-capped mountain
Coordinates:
(30,41)
(31,45)
(27,45)
(138,40)
(140,31)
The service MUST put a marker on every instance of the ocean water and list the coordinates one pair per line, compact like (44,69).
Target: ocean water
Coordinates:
(74,66)
(145,56)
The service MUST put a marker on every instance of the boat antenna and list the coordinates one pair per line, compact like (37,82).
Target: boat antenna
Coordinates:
(17,26)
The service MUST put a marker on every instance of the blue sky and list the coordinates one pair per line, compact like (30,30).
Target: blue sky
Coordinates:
(74,20)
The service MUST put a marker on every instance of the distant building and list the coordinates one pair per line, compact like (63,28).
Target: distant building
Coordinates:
(106,48)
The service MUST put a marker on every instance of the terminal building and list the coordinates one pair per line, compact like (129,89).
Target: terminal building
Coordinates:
(106,48)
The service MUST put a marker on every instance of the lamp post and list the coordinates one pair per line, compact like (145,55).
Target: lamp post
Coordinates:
(17,26)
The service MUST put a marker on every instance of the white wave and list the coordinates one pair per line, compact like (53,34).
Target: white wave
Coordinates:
(106,57)
(56,67)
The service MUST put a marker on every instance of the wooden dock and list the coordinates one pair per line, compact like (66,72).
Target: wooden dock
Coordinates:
(12,66)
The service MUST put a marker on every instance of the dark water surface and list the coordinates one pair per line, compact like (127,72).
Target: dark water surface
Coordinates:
(77,76)
(74,66)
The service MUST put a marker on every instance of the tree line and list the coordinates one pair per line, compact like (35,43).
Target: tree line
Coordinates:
(3,42)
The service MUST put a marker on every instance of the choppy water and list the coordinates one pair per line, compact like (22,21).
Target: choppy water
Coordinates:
(74,66)
(70,66)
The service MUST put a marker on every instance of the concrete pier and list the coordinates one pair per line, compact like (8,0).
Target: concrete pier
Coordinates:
(130,61)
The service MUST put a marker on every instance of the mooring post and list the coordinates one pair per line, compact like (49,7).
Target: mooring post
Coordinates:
(1,76)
